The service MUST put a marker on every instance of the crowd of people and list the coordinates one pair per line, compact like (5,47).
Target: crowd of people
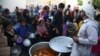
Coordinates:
(49,23)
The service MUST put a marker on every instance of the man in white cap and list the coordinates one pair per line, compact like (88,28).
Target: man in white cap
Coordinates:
(87,35)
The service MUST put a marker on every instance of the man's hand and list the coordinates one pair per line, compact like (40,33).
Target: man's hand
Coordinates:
(54,29)
(57,31)
(76,39)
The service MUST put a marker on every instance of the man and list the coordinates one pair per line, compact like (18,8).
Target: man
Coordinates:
(87,35)
(57,21)
(1,9)
(96,48)
(68,7)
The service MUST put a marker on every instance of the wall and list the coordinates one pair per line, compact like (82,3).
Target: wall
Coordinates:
(11,4)
(0,2)
(28,2)
(85,2)
(54,2)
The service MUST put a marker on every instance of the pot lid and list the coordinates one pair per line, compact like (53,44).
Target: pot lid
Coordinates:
(61,44)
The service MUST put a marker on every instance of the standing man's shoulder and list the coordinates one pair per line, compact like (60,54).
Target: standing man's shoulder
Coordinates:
(92,24)
(56,13)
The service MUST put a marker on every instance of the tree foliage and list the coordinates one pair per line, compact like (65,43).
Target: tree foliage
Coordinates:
(80,2)
(96,2)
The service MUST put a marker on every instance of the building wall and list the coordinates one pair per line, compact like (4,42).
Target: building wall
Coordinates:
(85,2)
(0,2)
(11,4)
(53,2)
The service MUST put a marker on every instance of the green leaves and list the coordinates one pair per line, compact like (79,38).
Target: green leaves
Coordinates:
(96,2)
(80,2)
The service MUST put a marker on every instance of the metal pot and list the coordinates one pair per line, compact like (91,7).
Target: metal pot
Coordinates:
(16,50)
(38,46)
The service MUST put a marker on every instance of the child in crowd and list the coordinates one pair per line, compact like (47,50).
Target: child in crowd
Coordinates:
(67,16)
(72,29)
(22,29)
(41,30)
(49,27)
(32,29)
(65,30)
(3,38)
(80,19)
(26,16)
(33,25)
(9,33)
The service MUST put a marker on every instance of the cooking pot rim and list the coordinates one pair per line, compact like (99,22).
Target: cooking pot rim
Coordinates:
(35,45)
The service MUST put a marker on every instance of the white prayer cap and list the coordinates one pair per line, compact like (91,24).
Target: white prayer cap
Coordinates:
(89,10)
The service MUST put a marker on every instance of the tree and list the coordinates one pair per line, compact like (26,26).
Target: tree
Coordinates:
(80,2)
(96,3)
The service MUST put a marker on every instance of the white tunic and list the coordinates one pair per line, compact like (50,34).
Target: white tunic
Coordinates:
(88,36)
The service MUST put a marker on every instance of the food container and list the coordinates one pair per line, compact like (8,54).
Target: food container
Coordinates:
(16,50)
(38,46)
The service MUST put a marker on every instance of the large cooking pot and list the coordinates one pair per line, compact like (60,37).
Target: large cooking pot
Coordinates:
(38,46)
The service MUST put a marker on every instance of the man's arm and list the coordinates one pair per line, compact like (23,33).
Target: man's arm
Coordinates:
(92,36)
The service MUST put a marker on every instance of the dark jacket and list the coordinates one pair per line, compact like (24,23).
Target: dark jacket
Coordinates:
(57,21)
(67,18)
(9,38)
